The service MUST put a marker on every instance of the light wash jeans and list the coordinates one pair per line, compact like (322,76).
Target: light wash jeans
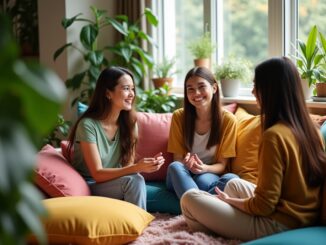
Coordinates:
(180,180)
(130,188)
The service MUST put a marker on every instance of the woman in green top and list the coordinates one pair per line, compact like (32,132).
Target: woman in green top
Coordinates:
(104,140)
(291,167)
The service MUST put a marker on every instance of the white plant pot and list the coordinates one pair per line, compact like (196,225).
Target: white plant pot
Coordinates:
(307,91)
(230,88)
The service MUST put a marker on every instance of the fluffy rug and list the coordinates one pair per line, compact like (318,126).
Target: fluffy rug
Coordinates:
(168,229)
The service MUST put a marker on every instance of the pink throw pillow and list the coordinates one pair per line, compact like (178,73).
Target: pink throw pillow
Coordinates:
(231,107)
(56,177)
(153,134)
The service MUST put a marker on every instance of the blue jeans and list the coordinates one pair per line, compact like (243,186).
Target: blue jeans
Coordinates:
(130,188)
(180,180)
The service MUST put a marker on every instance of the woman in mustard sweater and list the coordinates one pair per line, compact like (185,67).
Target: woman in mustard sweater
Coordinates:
(202,137)
(291,167)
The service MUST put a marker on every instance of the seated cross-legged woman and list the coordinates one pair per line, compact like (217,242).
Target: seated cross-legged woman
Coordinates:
(291,167)
(104,140)
(202,137)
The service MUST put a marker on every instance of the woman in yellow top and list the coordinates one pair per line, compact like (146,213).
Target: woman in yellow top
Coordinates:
(291,167)
(202,137)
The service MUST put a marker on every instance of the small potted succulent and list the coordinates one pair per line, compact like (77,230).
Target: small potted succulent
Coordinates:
(231,73)
(202,49)
(163,73)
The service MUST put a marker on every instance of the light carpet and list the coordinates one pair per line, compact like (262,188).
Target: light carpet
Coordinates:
(169,229)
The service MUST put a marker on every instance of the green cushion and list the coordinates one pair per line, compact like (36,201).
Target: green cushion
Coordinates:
(310,235)
(159,199)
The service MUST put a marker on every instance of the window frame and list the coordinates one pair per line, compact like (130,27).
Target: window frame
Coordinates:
(282,31)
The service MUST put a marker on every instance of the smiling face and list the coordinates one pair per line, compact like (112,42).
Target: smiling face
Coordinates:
(200,92)
(123,95)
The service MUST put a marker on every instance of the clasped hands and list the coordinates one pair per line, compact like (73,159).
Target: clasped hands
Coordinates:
(194,164)
(151,164)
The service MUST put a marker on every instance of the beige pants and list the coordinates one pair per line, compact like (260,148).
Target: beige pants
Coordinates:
(205,212)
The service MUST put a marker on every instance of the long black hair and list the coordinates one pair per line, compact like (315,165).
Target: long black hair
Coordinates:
(190,111)
(279,92)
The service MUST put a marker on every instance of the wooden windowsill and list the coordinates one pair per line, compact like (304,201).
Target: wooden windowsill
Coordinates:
(250,104)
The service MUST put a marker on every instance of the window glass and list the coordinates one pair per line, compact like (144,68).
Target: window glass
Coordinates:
(311,12)
(245,26)
(189,25)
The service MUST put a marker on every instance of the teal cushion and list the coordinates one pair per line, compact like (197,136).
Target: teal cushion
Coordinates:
(159,199)
(81,108)
(309,235)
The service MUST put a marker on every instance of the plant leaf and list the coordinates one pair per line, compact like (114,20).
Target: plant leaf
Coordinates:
(66,22)
(88,36)
(151,18)
(60,50)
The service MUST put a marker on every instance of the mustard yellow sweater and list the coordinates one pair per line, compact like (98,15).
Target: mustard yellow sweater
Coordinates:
(282,192)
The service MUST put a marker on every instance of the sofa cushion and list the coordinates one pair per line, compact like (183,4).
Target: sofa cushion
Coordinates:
(93,220)
(56,177)
(248,138)
(308,235)
(159,199)
(153,133)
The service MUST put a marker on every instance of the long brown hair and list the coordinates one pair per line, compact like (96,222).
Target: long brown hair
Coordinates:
(279,92)
(100,107)
(190,111)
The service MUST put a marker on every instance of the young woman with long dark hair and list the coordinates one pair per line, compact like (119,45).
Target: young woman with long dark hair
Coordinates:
(104,140)
(202,137)
(291,167)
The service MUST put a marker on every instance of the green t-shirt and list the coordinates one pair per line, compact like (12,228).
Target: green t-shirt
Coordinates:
(90,130)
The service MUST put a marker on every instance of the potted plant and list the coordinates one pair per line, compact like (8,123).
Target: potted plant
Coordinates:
(163,73)
(156,100)
(308,60)
(321,77)
(231,73)
(202,49)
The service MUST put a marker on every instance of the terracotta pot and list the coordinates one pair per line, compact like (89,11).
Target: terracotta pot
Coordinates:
(159,82)
(321,89)
(204,62)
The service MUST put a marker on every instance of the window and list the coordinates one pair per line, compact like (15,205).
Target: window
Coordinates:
(254,30)
(310,13)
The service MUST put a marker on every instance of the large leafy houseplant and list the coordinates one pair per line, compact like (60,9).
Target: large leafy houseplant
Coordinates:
(128,52)
(308,57)
(30,96)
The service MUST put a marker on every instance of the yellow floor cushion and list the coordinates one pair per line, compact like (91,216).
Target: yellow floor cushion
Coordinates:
(93,220)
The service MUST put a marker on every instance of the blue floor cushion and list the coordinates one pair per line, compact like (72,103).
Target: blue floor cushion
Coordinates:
(310,235)
(159,199)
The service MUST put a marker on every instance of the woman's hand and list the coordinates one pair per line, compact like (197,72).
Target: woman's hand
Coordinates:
(150,164)
(195,165)
(221,195)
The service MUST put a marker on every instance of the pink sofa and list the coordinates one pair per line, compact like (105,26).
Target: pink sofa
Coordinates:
(55,177)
